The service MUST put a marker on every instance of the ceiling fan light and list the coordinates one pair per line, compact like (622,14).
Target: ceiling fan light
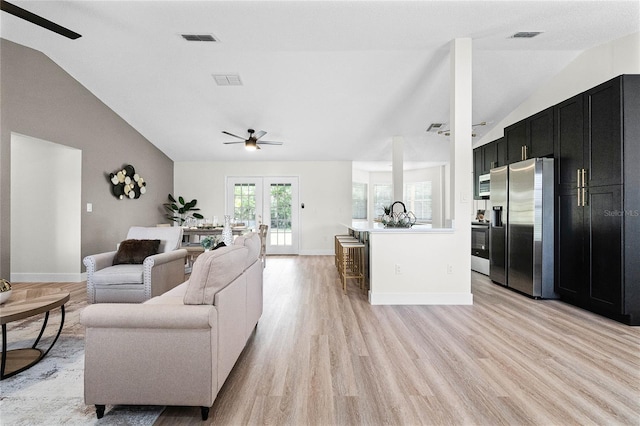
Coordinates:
(250,145)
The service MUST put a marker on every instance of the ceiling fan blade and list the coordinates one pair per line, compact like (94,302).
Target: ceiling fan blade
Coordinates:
(269,143)
(259,134)
(38,20)
(231,134)
(229,143)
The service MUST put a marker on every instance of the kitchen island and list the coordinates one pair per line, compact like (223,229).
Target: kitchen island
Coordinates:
(412,266)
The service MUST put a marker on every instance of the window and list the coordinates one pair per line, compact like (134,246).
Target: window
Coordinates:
(381,197)
(244,203)
(359,200)
(418,199)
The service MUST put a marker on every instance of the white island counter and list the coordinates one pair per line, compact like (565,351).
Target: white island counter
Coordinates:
(414,266)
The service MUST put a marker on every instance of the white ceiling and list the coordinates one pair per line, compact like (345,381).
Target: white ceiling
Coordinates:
(333,80)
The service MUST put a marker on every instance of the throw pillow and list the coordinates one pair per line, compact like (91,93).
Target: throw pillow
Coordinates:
(135,251)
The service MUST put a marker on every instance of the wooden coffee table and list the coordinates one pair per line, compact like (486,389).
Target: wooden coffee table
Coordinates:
(24,304)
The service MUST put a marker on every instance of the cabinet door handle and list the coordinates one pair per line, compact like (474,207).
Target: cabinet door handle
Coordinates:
(584,196)
(526,152)
(584,173)
(522,152)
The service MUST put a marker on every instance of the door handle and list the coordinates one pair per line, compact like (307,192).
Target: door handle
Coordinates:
(526,152)
(584,173)
(584,197)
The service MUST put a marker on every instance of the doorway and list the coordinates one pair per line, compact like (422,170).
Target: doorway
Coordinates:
(45,211)
(269,200)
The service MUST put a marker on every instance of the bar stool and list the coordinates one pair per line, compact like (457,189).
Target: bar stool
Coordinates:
(352,264)
(338,248)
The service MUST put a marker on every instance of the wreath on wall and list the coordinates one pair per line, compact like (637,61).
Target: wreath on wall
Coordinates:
(126,183)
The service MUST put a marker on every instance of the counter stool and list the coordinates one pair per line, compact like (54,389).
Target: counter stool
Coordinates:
(352,263)
(338,249)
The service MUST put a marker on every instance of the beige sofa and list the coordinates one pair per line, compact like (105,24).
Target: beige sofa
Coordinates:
(177,348)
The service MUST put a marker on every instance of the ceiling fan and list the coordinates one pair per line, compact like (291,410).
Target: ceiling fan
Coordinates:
(38,20)
(252,143)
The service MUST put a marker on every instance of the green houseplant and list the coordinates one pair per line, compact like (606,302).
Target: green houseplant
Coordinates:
(179,211)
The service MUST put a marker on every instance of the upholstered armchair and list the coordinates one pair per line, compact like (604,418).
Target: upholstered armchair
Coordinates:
(137,280)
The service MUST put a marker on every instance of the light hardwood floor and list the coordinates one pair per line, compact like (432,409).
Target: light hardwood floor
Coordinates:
(319,357)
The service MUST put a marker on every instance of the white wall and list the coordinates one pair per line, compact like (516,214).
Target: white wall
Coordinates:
(325,190)
(590,68)
(45,211)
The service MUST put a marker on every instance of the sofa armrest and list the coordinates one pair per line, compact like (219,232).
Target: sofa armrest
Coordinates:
(93,264)
(139,354)
(99,261)
(163,271)
(155,316)
(162,258)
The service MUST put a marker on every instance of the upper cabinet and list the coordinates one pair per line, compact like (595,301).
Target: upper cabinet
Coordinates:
(531,137)
(485,158)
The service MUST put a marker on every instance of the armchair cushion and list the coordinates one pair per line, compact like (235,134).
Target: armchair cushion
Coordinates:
(135,251)
(213,271)
(119,274)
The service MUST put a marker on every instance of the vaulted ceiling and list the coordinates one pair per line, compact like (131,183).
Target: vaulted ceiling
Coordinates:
(332,80)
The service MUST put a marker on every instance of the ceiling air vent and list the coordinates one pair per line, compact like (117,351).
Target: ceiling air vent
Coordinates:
(199,37)
(526,34)
(227,79)
(434,127)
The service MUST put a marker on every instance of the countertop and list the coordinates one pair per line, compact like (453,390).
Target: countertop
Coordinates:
(376,227)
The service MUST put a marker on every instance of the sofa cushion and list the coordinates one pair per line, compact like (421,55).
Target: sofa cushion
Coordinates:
(252,242)
(119,274)
(135,251)
(213,271)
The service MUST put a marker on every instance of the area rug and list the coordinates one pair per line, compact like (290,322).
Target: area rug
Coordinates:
(51,392)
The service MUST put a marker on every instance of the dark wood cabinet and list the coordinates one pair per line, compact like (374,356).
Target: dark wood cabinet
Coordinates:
(531,137)
(516,137)
(598,200)
(485,158)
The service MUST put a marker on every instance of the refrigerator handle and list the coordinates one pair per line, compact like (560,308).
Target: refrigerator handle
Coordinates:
(579,204)
(584,174)
(578,179)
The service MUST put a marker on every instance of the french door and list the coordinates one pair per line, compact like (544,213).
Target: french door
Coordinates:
(269,200)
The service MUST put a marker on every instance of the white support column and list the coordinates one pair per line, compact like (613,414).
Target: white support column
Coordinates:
(461,154)
(461,121)
(397,167)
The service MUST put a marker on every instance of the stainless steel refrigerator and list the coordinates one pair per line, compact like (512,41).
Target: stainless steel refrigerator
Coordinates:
(521,234)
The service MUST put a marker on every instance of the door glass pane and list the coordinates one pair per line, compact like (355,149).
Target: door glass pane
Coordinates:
(244,204)
(280,195)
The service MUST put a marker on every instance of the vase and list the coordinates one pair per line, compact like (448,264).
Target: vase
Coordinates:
(227,234)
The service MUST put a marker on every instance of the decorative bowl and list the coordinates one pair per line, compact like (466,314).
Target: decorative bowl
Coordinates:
(5,295)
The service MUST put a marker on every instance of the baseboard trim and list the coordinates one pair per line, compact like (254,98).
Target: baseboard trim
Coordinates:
(32,277)
(421,298)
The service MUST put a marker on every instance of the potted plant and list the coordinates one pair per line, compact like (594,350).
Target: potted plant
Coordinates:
(178,211)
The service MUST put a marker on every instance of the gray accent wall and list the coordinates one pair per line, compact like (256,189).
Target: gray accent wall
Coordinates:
(39,99)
